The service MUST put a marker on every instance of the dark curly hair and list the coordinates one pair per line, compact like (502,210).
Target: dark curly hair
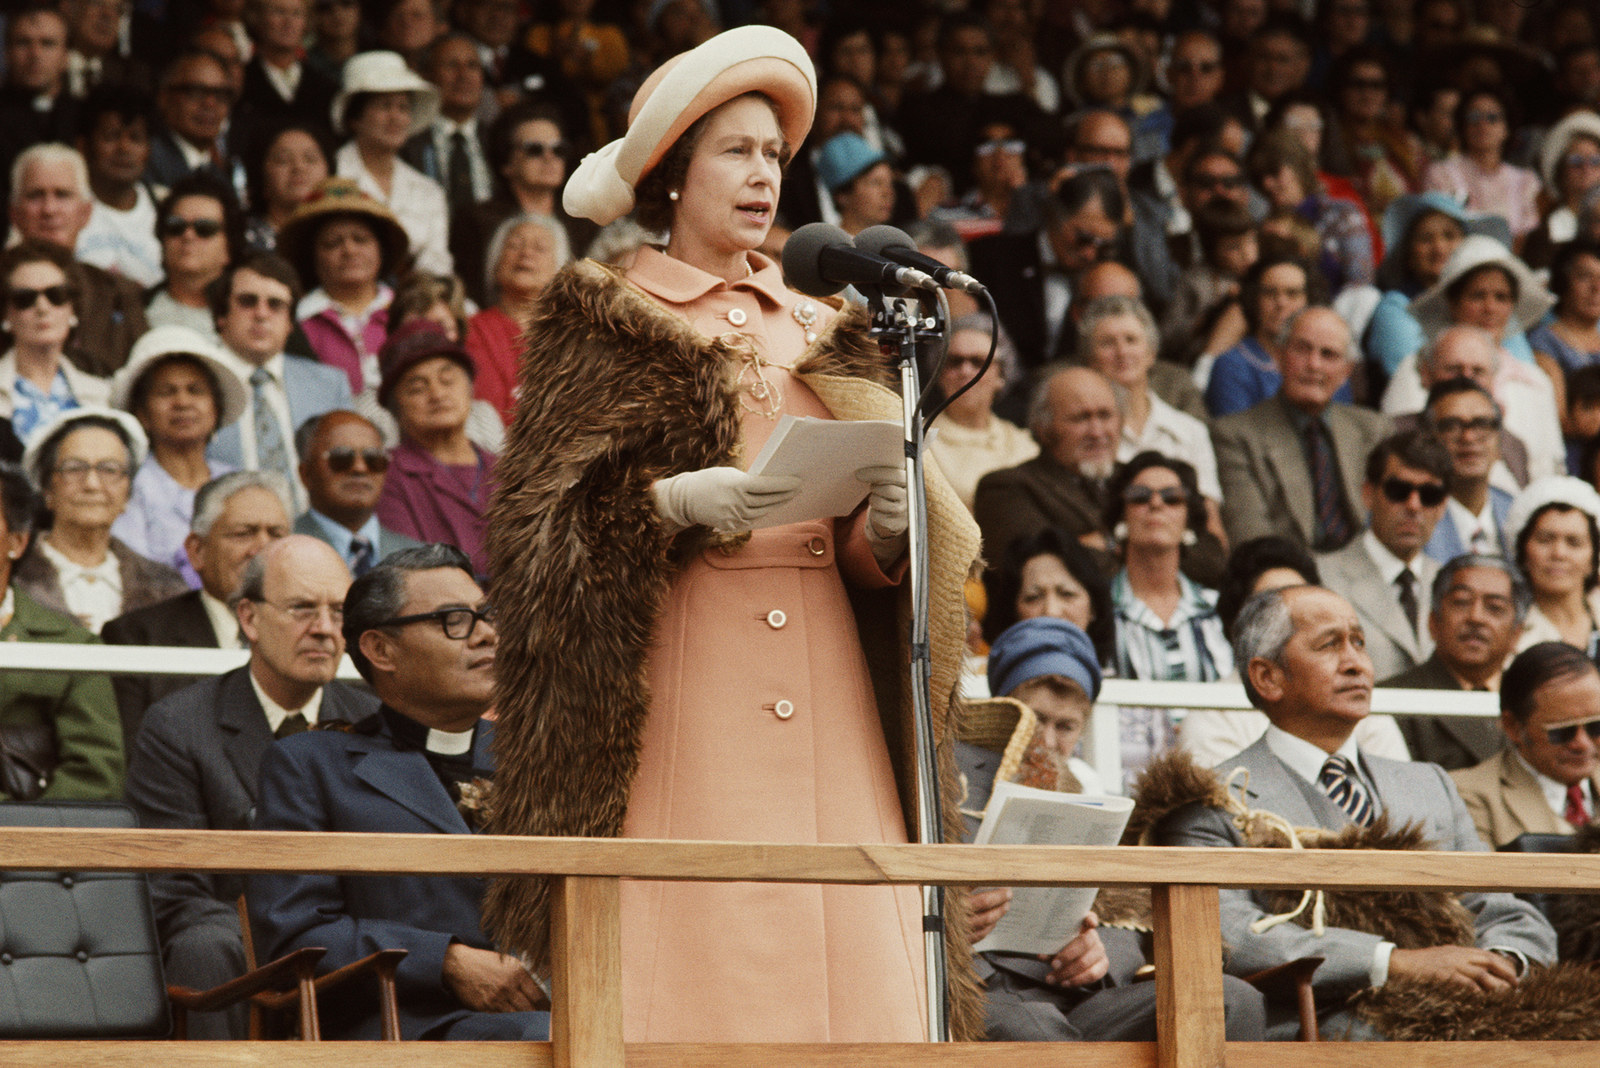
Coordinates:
(1004,584)
(1124,476)
(1252,559)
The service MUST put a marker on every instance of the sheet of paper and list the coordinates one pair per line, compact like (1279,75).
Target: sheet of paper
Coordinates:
(1042,919)
(826,454)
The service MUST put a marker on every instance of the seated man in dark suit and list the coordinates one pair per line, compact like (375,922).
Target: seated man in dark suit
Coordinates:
(342,462)
(1078,425)
(1085,991)
(197,758)
(235,516)
(1303,657)
(422,634)
(1546,779)
(1478,606)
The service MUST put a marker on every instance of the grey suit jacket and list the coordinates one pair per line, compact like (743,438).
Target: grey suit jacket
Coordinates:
(1391,642)
(1505,800)
(313,388)
(195,765)
(1406,791)
(1266,482)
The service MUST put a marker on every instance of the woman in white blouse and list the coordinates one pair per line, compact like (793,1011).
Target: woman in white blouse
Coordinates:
(83,463)
(1118,337)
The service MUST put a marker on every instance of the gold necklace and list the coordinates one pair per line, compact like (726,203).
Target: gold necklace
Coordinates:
(757,393)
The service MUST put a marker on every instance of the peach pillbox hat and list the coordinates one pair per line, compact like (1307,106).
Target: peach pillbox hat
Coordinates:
(685,87)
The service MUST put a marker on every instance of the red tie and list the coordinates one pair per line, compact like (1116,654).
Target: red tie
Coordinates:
(1577,813)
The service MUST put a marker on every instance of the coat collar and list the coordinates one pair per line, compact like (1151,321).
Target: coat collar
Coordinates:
(677,282)
(407,779)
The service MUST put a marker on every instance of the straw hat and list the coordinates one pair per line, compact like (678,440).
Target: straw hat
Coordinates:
(1432,308)
(685,87)
(1556,489)
(138,443)
(1103,42)
(333,198)
(172,340)
(1578,124)
(386,72)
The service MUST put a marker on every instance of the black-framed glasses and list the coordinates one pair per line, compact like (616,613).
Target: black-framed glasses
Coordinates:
(177,226)
(21,298)
(1453,424)
(342,459)
(1399,490)
(1170,495)
(458,623)
(541,149)
(1565,735)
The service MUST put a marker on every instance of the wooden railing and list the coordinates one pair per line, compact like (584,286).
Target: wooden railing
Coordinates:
(587,1011)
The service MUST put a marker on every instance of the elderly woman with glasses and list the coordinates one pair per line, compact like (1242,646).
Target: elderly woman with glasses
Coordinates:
(83,462)
(37,381)
(972,440)
(1167,627)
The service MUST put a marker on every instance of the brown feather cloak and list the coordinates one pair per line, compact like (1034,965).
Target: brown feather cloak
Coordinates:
(614,393)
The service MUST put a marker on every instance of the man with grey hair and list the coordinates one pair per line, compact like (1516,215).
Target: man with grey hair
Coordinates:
(196,761)
(235,517)
(1303,660)
(1479,603)
(50,203)
(1522,390)
(1077,419)
(1293,464)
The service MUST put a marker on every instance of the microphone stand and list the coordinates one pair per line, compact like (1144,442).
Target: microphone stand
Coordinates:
(898,326)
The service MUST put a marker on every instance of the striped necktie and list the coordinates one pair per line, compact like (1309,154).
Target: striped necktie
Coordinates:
(1338,780)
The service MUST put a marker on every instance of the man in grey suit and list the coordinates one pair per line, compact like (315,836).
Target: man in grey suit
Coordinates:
(1305,665)
(196,761)
(1479,603)
(235,516)
(1291,465)
(1384,571)
(253,303)
(342,464)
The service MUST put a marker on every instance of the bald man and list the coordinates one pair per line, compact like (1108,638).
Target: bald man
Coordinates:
(342,464)
(197,758)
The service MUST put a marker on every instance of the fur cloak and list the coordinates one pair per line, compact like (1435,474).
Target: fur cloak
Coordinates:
(1560,1002)
(615,393)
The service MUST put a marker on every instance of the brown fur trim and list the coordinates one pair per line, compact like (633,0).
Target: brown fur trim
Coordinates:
(616,393)
(1549,1004)
(1576,917)
(1170,782)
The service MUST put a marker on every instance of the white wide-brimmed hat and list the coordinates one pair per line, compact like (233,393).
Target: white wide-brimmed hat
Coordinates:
(1432,307)
(1578,124)
(1555,489)
(386,72)
(138,443)
(744,60)
(172,340)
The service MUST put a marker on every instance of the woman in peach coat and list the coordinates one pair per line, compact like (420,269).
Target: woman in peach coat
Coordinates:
(672,671)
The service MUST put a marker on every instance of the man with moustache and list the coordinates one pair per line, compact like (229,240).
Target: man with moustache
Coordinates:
(1302,653)
(1292,465)
(196,762)
(422,633)
(1479,603)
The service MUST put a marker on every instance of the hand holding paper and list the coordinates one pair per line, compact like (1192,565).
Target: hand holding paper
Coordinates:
(887,511)
(725,499)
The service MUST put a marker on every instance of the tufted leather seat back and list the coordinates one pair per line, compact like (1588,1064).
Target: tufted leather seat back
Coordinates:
(79,955)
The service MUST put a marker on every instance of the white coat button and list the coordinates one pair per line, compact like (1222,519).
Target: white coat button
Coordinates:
(737,316)
(783,709)
(776,619)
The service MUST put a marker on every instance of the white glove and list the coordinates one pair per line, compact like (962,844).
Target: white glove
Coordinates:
(725,499)
(888,512)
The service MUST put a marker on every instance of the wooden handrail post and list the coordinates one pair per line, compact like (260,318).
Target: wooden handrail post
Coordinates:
(1188,944)
(586,972)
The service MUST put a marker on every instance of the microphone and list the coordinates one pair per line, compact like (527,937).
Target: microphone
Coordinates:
(896,245)
(819,260)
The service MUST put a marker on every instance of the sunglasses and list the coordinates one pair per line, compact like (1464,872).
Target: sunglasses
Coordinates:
(1453,424)
(1485,116)
(22,298)
(543,149)
(322,7)
(1578,159)
(1217,181)
(342,459)
(1367,83)
(1399,490)
(1012,145)
(177,226)
(1194,68)
(1170,495)
(252,301)
(1565,735)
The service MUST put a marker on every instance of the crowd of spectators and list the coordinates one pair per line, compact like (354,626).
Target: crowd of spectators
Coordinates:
(1289,292)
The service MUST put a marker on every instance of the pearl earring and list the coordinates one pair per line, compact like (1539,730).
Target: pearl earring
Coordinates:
(673,195)
(72,323)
